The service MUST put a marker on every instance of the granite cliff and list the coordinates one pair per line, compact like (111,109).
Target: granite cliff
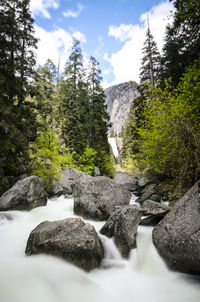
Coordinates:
(118,100)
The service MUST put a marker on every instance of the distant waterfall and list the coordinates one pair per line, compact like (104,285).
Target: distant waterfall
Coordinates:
(112,142)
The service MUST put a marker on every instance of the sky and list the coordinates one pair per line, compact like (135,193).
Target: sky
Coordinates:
(113,31)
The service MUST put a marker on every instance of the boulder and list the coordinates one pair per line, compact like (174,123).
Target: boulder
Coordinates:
(149,192)
(69,177)
(71,239)
(97,197)
(122,225)
(177,236)
(26,194)
(128,180)
(155,212)
(151,220)
(151,207)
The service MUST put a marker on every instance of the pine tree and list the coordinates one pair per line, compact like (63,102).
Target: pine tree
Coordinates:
(44,94)
(17,42)
(74,102)
(182,40)
(150,64)
(98,115)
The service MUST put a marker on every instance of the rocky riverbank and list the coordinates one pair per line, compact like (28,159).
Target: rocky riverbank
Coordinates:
(176,234)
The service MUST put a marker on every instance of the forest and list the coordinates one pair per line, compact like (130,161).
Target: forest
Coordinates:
(162,132)
(51,120)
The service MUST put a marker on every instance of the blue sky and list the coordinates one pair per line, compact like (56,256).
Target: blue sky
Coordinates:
(113,31)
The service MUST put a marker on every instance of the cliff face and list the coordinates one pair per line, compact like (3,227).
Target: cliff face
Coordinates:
(118,101)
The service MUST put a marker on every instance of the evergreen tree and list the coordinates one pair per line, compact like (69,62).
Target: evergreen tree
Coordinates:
(44,94)
(74,102)
(150,64)
(98,115)
(17,42)
(182,40)
(135,120)
(98,119)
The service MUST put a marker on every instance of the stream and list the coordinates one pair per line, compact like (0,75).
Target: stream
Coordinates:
(41,278)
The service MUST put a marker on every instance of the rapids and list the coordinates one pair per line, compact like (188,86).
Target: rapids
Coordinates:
(143,277)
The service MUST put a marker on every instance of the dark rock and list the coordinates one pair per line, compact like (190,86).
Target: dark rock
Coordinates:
(71,239)
(6,182)
(151,220)
(147,192)
(108,229)
(26,194)
(130,181)
(156,197)
(69,177)
(97,197)
(177,236)
(151,207)
(122,225)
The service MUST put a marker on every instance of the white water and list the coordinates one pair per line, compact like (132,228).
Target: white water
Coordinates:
(112,142)
(144,277)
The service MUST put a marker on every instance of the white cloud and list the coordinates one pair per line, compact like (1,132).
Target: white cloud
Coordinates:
(53,44)
(40,7)
(126,61)
(73,13)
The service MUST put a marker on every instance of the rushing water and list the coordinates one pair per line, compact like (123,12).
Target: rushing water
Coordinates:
(41,278)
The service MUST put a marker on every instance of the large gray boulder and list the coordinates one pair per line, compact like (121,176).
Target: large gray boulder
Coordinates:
(177,236)
(71,239)
(69,177)
(97,197)
(26,194)
(130,181)
(123,225)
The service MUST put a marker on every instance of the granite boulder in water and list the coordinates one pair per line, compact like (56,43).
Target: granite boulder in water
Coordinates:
(71,239)
(26,194)
(123,225)
(177,236)
(97,197)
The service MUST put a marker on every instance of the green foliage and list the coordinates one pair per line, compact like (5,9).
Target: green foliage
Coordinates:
(170,140)
(43,92)
(135,120)
(48,158)
(87,161)
(17,119)
(106,163)
(182,40)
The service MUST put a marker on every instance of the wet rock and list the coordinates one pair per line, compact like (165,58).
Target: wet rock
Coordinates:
(69,177)
(97,197)
(26,194)
(71,239)
(177,236)
(130,181)
(151,220)
(151,207)
(149,192)
(122,225)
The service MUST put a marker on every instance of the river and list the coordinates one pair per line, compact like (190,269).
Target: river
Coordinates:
(41,278)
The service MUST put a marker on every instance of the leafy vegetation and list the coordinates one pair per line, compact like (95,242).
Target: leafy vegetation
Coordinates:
(162,132)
